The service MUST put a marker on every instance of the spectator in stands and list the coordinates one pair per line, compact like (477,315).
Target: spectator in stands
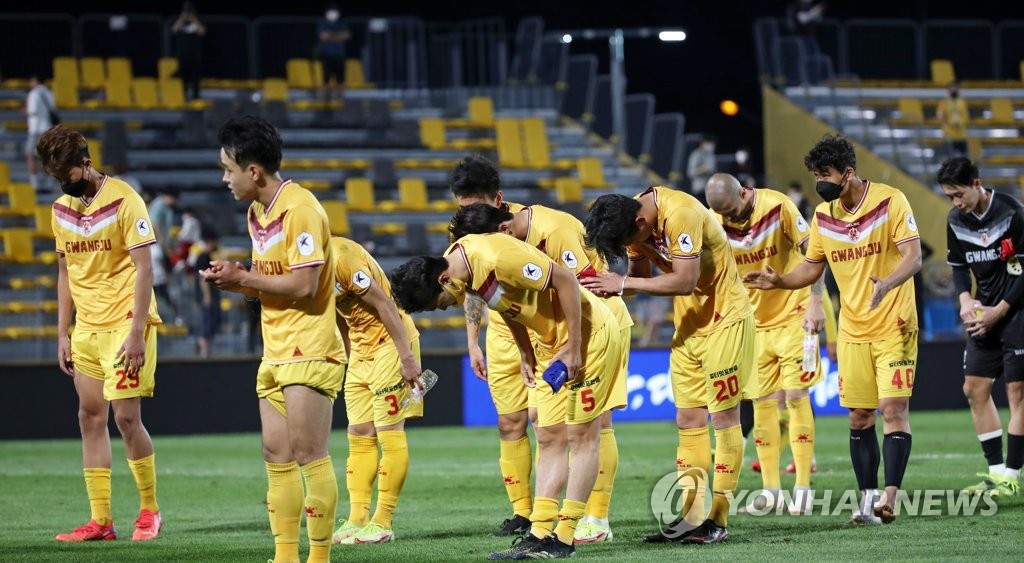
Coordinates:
(161,211)
(952,113)
(701,166)
(160,283)
(796,193)
(743,166)
(332,35)
(39,107)
(191,230)
(803,17)
(207,294)
(188,36)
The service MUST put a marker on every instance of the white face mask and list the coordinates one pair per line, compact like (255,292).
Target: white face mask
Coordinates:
(333,15)
(741,157)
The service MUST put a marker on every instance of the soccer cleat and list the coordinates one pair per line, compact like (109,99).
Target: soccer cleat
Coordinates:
(678,530)
(987,485)
(707,533)
(859,519)
(515,526)
(592,532)
(90,532)
(885,513)
(147,525)
(518,550)
(791,468)
(347,530)
(755,466)
(550,548)
(1006,487)
(371,533)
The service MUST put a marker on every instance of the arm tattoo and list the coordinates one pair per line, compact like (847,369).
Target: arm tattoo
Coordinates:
(474,307)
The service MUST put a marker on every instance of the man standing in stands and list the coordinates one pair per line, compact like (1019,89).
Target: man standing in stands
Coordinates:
(332,36)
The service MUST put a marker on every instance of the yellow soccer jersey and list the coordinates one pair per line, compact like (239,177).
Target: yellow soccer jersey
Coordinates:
(514,279)
(688,230)
(95,239)
(561,236)
(771,236)
(293,233)
(353,270)
(862,243)
(495,322)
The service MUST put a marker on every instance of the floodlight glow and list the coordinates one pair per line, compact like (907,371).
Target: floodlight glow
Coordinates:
(567,38)
(672,35)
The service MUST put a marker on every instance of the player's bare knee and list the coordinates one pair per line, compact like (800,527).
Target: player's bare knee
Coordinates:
(90,419)
(1015,393)
(552,436)
(585,436)
(127,421)
(894,412)
(365,430)
(796,394)
(512,426)
(977,389)
(691,418)
(862,418)
(606,420)
(307,453)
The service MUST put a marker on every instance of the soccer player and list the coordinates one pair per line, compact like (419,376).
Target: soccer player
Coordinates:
(570,325)
(303,358)
(104,272)
(713,347)
(384,354)
(764,227)
(985,233)
(561,237)
(476,180)
(867,233)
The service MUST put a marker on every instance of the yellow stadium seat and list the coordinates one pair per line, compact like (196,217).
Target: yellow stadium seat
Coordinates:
(355,78)
(437,227)
(299,73)
(119,94)
(942,72)
(65,69)
(910,110)
(144,93)
(167,67)
(44,222)
(337,214)
(95,152)
(974,149)
(65,94)
(591,172)
(21,200)
(317,68)
(388,228)
(92,73)
(432,133)
(5,176)
(412,194)
(538,152)
(510,144)
(119,69)
(18,245)
(481,111)
(275,90)
(359,193)
(568,190)
(172,93)
(1002,111)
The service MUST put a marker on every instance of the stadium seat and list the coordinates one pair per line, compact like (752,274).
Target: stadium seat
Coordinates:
(95,152)
(144,93)
(317,68)
(119,69)
(18,245)
(355,78)
(65,94)
(974,149)
(172,93)
(167,67)
(510,144)
(21,201)
(5,176)
(412,194)
(568,190)
(44,222)
(481,111)
(118,93)
(1002,111)
(359,194)
(911,110)
(337,214)
(591,172)
(65,69)
(942,72)
(92,72)
(388,228)
(538,152)
(432,133)
(299,73)
(275,90)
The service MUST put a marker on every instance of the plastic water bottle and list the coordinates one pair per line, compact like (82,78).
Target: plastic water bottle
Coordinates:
(428,379)
(810,362)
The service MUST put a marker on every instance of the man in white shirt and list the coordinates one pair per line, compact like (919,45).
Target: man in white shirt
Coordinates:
(38,105)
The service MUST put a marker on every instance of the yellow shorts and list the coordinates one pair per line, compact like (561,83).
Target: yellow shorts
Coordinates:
(504,378)
(780,358)
(93,354)
(321,375)
(869,371)
(619,392)
(710,371)
(374,389)
(586,400)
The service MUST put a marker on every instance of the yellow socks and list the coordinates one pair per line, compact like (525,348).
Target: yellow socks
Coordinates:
(801,438)
(570,515)
(694,453)
(728,461)
(144,471)
(284,505)
(360,471)
(515,465)
(321,503)
(608,465)
(545,510)
(768,441)
(394,464)
(97,485)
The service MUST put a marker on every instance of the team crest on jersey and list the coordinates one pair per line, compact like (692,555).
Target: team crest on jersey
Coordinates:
(748,240)
(361,280)
(86,224)
(854,234)
(984,237)
(685,242)
(570,259)
(531,271)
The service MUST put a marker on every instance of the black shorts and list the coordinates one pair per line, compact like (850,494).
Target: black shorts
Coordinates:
(993,359)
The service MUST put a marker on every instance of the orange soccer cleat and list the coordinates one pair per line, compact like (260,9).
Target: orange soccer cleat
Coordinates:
(147,525)
(90,532)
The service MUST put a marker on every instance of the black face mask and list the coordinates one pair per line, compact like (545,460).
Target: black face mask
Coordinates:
(829,191)
(76,188)
(953,94)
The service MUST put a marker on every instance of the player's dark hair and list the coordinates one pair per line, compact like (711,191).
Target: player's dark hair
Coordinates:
(957,171)
(476,219)
(60,149)
(611,224)
(832,151)
(474,175)
(252,140)
(414,284)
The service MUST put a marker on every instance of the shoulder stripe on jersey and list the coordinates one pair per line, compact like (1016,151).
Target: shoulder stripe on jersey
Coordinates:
(977,238)
(85,224)
(770,219)
(877,215)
